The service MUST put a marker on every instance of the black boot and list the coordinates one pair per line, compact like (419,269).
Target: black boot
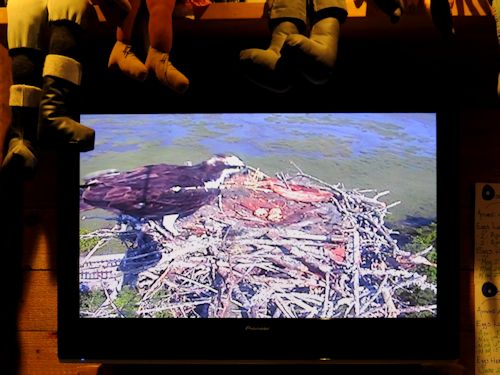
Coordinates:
(58,113)
(20,148)
(59,107)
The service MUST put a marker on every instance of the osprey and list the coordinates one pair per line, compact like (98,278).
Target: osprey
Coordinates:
(161,191)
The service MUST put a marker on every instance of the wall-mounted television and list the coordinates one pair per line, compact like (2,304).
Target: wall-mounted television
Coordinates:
(275,237)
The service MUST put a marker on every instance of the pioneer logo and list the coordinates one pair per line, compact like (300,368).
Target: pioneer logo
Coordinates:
(257,328)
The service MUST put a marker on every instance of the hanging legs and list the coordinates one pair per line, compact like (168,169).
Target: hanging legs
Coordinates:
(304,43)
(122,57)
(161,37)
(59,107)
(25,93)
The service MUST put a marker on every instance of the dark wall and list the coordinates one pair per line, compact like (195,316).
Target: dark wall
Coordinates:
(382,67)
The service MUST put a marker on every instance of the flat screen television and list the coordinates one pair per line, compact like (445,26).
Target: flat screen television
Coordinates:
(249,237)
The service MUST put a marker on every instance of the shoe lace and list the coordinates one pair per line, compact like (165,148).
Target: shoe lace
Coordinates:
(127,50)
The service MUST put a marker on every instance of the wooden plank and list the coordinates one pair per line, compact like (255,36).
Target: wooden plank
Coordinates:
(5,82)
(41,192)
(38,305)
(479,162)
(467,354)
(39,236)
(39,356)
(466,301)
(251,10)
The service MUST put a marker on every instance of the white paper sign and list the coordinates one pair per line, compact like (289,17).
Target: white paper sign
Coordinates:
(487,278)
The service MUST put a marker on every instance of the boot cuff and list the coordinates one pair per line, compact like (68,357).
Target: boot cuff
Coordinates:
(63,67)
(24,96)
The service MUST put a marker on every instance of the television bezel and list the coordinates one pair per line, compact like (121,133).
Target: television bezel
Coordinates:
(352,340)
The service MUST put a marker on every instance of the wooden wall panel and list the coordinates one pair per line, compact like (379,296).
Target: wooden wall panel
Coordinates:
(39,231)
(5,82)
(39,356)
(38,306)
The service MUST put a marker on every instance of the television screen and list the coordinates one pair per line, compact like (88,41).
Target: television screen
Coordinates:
(262,222)
(259,216)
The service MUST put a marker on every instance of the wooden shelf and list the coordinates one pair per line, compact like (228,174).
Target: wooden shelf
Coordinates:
(248,18)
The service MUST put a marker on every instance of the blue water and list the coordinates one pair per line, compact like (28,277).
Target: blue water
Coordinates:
(257,135)
(393,151)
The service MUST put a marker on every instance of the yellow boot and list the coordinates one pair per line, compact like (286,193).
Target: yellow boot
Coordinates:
(314,56)
(262,66)
(124,60)
(158,63)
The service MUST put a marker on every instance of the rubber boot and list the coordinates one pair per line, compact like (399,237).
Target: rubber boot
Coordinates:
(122,57)
(20,153)
(262,66)
(314,57)
(59,106)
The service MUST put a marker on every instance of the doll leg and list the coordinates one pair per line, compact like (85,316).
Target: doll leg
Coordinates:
(286,17)
(24,43)
(393,8)
(62,71)
(24,100)
(122,58)
(440,11)
(161,37)
(315,56)
(124,5)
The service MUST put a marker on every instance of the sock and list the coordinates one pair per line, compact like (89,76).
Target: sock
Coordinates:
(27,65)
(66,39)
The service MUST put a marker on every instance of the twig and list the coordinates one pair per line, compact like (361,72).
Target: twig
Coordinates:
(97,246)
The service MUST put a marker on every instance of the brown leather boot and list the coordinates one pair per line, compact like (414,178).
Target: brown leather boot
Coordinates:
(124,60)
(58,125)
(159,64)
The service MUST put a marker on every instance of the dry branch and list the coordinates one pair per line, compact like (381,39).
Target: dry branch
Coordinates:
(323,259)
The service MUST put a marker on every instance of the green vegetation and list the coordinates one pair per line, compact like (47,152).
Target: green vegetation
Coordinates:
(417,297)
(91,301)
(421,240)
(160,296)
(163,314)
(127,302)
(87,244)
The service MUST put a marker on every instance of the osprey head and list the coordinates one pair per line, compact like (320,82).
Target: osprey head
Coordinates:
(232,164)
(228,160)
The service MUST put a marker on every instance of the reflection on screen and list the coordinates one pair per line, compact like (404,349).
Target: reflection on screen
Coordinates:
(259,216)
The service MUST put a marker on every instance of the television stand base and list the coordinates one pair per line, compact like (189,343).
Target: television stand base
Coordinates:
(274,369)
